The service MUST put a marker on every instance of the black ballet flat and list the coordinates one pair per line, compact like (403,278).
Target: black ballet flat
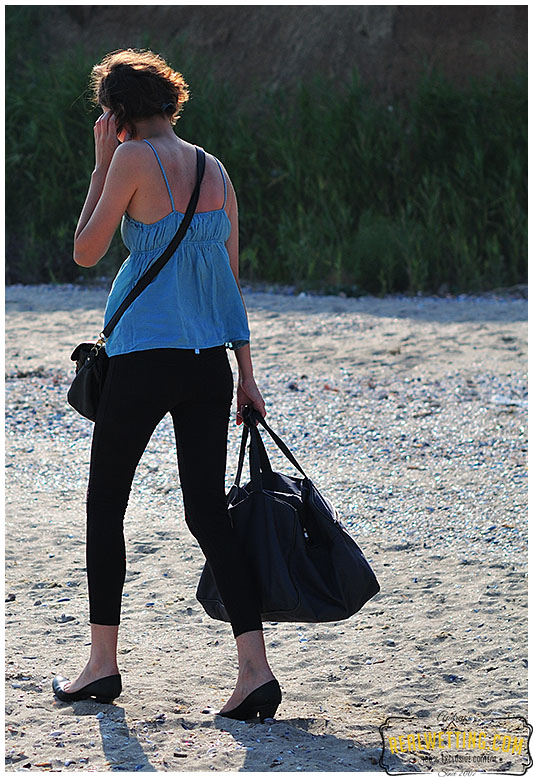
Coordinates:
(263,701)
(104,690)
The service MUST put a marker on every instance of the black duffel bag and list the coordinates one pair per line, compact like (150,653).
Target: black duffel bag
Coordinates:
(307,568)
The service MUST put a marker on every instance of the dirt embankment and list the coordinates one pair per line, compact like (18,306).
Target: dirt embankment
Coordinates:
(276,46)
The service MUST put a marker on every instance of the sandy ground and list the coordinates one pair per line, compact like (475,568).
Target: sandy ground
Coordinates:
(409,414)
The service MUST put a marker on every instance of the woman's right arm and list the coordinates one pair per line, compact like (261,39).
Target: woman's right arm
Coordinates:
(247,390)
(113,183)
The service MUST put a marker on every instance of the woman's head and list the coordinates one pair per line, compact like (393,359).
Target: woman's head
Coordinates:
(137,84)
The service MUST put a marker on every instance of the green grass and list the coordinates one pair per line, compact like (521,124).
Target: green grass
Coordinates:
(336,191)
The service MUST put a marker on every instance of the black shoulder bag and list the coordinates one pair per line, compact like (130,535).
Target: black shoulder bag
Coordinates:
(91,358)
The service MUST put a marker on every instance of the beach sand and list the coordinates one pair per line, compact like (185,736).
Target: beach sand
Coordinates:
(408,413)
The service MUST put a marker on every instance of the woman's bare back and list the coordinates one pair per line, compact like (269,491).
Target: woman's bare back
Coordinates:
(151,201)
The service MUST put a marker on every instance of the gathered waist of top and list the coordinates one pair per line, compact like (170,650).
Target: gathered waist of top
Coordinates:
(210,230)
(153,224)
(191,241)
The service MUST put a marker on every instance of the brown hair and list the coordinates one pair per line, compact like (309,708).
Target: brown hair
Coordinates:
(136,84)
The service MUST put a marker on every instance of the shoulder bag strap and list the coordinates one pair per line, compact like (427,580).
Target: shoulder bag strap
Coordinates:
(154,268)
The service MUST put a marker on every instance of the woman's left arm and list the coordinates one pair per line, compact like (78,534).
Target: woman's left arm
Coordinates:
(113,183)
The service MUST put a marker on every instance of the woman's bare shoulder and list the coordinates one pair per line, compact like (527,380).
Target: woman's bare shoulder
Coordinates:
(133,158)
(133,149)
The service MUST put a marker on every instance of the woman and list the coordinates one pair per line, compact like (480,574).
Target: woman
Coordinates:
(167,354)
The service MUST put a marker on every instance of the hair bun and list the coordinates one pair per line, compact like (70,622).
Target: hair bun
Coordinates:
(136,84)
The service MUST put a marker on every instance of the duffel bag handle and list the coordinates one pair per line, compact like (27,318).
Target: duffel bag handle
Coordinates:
(250,415)
(264,463)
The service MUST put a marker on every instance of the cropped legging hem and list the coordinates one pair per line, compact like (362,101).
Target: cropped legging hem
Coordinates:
(140,388)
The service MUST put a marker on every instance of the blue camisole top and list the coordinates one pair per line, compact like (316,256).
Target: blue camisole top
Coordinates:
(194,301)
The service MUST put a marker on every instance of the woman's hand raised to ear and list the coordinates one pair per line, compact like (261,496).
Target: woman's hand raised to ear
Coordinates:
(105,140)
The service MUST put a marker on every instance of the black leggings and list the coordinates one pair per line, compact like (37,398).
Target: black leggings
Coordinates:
(140,388)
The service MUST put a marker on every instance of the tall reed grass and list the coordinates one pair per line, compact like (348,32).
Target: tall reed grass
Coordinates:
(337,192)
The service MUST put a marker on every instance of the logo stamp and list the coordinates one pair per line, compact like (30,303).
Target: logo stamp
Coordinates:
(456,743)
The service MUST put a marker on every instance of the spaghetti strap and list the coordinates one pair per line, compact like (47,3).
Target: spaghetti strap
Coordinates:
(224,179)
(164,174)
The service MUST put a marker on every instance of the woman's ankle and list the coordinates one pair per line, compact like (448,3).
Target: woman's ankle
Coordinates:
(103,656)
(251,668)
(103,666)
